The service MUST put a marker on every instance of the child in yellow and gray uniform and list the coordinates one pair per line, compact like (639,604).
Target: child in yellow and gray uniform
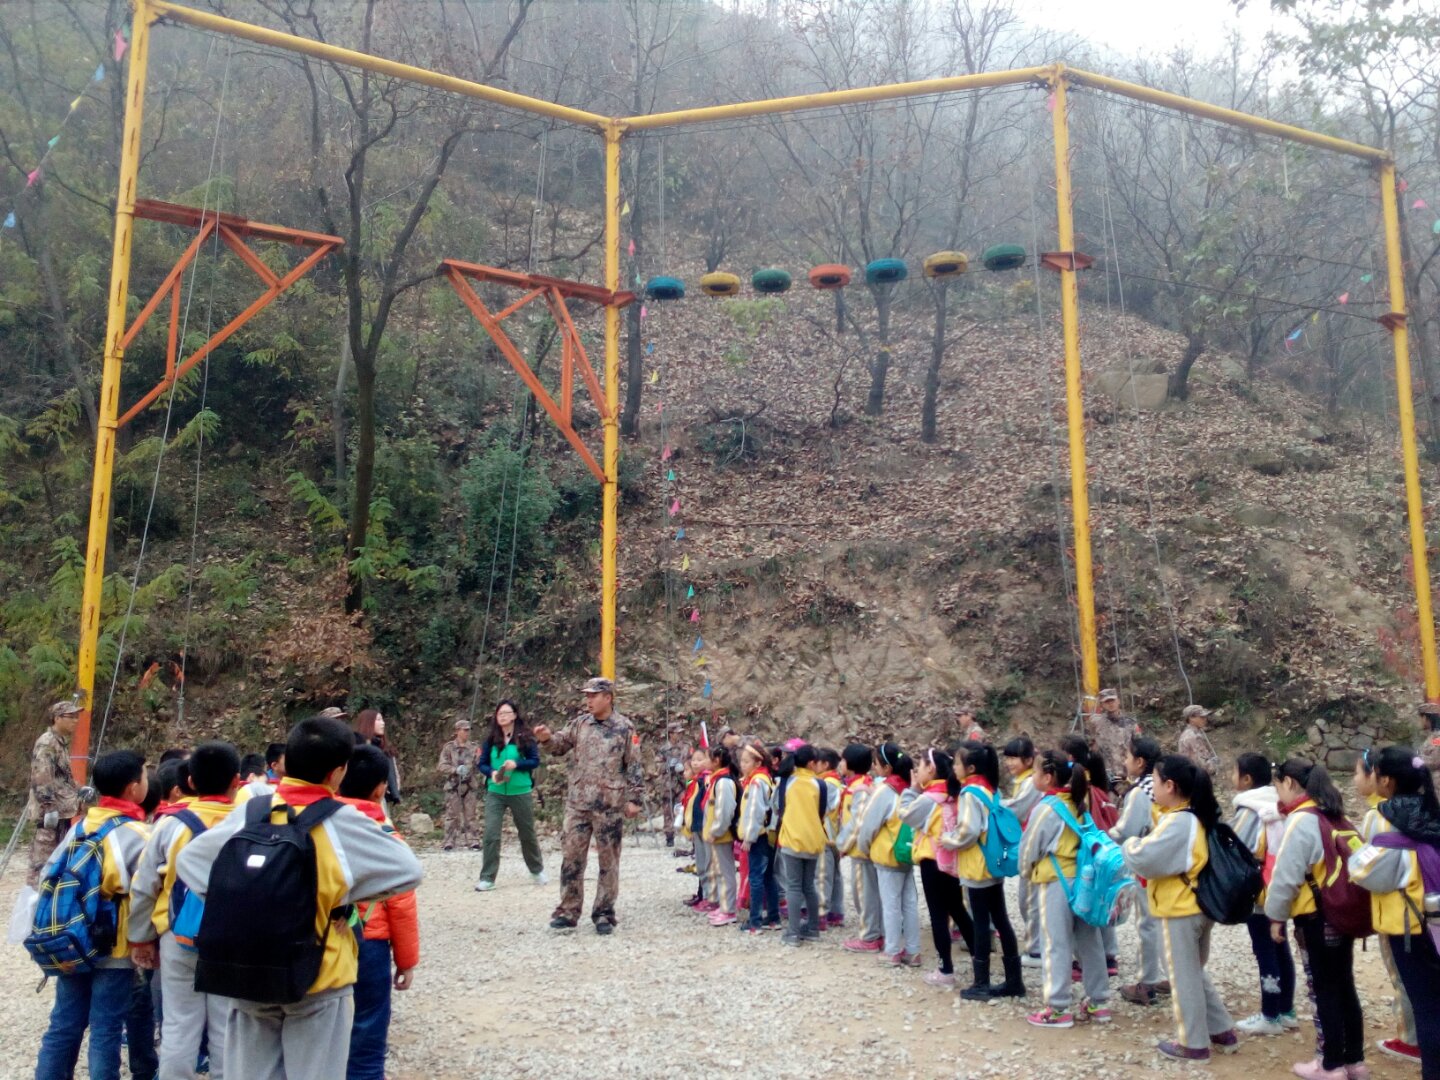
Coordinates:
(1064,936)
(1170,858)
(830,884)
(1390,867)
(721,808)
(899,903)
(1138,815)
(757,803)
(855,764)
(1019,755)
(802,842)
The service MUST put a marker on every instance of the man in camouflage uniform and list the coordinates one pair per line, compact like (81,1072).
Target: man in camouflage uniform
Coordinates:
(1194,743)
(606,786)
(671,756)
(1111,731)
(54,794)
(457,766)
(1430,738)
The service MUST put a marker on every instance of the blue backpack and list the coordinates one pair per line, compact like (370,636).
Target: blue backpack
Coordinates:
(1103,890)
(74,926)
(1001,843)
(186,910)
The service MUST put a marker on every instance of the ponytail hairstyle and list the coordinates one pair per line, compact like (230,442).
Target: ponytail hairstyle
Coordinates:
(1194,784)
(944,770)
(1097,770)
(1020,747)
(1257,767)
(982,758)
(1315,779)
(1145,749)
(1066,774)
(1409,772)
(900,762)
(722,758)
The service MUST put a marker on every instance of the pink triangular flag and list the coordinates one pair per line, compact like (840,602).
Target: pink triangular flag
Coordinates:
(674,507)
(120,45)
(1344,298)
(1050,102)
(644,312)
(665,454)
(31,178)
(631,249)
(1403,186)
(1419,204)
(695,615)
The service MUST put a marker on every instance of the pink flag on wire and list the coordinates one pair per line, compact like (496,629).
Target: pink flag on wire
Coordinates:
(30,178)
(674,507)
(695,615)
(631,249)
(1403,186)
(665,454)
(1419,204)
(1344,298)
(120,45)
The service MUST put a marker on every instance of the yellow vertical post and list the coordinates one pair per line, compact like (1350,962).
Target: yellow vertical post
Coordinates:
(110,384)
(610,505)
(1414,507)
(1074,401)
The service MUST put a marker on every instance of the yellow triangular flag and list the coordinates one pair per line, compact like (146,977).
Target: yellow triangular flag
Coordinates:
(625,209)
(76,103)
(654,377)
(1315,317)
(685,563)
(702,661)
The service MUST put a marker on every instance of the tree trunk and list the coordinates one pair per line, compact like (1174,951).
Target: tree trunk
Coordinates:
(937,356)
(839,311)
(880,366)
(1179,388)
(1418,316)
(337,412)
(634,359)
(59,315)
(364,475)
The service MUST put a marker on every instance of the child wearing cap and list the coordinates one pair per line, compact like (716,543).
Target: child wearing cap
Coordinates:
(1193,742)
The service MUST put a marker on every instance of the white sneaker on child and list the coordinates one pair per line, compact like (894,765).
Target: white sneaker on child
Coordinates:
(540,878)
(1260,1024)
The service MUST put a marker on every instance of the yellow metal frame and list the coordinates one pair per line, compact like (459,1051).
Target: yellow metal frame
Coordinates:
(1058,78)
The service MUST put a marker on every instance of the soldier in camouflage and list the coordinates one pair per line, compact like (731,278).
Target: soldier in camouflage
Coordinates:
(1110,732)
(55,797)
(671,755)
(457,766)
(1430,739)
(606,786)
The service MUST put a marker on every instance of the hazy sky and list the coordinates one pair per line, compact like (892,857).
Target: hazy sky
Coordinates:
(1153,26)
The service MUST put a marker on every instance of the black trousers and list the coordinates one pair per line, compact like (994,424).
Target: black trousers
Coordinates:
(945,899)
(1419,967)
(1337,1005)
(987,904)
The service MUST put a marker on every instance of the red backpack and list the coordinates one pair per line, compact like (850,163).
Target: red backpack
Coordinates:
(1103,811)
(1345,905)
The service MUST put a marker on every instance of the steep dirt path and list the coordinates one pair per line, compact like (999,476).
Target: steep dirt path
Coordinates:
(498,994)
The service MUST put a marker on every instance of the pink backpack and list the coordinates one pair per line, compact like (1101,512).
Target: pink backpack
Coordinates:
(949,816)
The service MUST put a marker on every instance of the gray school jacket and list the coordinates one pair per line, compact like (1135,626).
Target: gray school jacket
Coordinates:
(1136,816)
(850,824)
(755,805)
(1301,848)
(971,822)
(1027,796)
(723,797)
(1041,837)
(879,809)
(1167,851)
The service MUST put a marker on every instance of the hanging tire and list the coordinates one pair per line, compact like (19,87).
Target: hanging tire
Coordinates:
(1004,257)
(886,271)
(719,283)
(770,282)
(830,276)
(946,264)
(665,288)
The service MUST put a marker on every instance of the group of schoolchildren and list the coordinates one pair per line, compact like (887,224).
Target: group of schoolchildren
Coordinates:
(777,822)
(260,910)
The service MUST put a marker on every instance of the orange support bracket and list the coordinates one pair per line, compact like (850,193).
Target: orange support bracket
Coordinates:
(233,231)
(555,292)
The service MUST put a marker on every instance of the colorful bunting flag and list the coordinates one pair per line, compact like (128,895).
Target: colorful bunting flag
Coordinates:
(1365,279)
(699,644)
(685,563)
(1403,186)
(10,220)
(1419,204)
(53,140)
(99,75)
(1296,335)
(706,692)
(76,103)
(690,593)
(631,251)
(31,178)
(665,454)
(700,661)
(649,347)
(654,377)
(674,507)
(695,615)
(1344,298)
(625,209)
(1436,227)
(670,476)
(644,312)
(120,45)
(679,533)
(1050,102)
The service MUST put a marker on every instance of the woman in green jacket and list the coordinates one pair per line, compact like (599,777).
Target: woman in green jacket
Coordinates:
(507,759)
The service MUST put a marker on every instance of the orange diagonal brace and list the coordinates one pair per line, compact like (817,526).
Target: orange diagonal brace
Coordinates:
(567,327)
(507,348)
(171,281)
(249,258)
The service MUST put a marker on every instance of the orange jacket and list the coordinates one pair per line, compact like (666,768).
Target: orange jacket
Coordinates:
(397,919)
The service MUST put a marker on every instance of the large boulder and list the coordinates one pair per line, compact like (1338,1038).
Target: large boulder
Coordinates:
(1144,390)
(419,824)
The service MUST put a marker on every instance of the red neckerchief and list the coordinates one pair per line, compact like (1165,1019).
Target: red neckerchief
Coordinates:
(936,786)
(690,786)
(224,800)
(298,793)
(859,780)
(122,806)
(762,771)
(1057,791)
(1299,804)
(830,775)
(165,809)
(366,807)
(979,781)
(896,784)
(715,777)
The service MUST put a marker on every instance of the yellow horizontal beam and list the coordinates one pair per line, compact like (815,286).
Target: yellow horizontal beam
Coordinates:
(1225,116)
(830,98)
(275,39)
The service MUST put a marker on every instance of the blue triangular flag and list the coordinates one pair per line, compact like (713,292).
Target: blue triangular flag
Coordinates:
(679,533)
(53,140)
(670,476)
(99,73)
(706,692)
(10,224)
(649,348)
(699,644)
(1295,336)
(690,593)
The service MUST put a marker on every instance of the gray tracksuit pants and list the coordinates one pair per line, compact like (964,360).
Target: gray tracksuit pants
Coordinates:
(830,883)
(899,909)
(1152,942)
(1065,937)
(702,867)
(722,876)
(309,1039)
(187,1014)
(1199,1012)
(1030,915)
(865,899)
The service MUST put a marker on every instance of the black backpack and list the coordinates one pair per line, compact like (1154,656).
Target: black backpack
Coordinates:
(257,939)
(1230,882)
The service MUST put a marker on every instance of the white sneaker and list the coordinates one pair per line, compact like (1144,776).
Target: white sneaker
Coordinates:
(1290,1020)
(484,886)
(1031,961)
(1260,1024)
(541,878)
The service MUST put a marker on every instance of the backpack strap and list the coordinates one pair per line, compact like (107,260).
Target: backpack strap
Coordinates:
(190,820)
(318,812)
(824,795)
(1063,813)
(258,809)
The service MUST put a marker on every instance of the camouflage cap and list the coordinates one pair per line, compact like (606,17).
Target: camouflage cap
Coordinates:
(334,712)
(462,725)
(68,707)
(1194,710)
(598,686)
(1109,695)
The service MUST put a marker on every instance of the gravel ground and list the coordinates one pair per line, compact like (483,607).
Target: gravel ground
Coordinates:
(499,994)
